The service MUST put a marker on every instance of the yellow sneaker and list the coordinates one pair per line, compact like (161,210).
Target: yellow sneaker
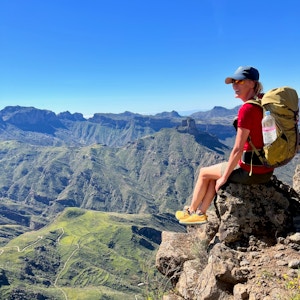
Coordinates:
(182,214)
(194,219)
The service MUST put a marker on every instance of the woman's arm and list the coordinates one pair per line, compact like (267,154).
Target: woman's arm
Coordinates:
(235,155)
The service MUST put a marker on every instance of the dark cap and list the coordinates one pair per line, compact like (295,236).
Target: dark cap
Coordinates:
(243,73)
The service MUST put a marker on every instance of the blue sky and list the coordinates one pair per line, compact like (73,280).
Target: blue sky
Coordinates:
(143,56)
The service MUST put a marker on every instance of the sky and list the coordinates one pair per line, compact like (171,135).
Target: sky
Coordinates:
(143,56)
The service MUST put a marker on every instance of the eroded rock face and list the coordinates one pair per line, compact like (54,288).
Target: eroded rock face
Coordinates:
(258,210)
(248,249)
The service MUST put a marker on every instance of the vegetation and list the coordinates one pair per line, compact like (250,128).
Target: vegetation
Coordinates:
(82,255)
(59,187)
(37,182)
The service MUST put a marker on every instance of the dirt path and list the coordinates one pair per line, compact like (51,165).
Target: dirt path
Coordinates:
(18,248)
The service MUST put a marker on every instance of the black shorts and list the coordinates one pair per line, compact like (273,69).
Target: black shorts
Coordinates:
(239,175)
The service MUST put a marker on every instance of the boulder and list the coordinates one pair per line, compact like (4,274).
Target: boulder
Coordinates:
(244,251)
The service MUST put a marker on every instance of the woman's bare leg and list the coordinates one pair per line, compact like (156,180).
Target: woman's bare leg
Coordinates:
(209,196)
(204,190)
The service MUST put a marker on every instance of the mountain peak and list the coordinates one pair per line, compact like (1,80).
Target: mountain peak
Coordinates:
(165,114)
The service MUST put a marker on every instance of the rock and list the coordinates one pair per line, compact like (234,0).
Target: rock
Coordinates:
(296,179)
(242,252)
(175,249)
(292,273)
(278,255)
(281,263)
(32,119)
(294,264)
(203,285)
(257,210)
(295,238)
(240,292)
(171,297)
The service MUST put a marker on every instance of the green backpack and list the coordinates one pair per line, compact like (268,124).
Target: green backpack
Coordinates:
(283,105)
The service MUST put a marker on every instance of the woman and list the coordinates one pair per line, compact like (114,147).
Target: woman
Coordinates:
(241,167)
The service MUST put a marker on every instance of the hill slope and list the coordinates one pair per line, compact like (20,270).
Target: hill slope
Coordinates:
(154,174)
(83,255)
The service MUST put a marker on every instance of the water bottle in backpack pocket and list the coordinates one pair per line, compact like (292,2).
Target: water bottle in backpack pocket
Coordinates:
(268,128)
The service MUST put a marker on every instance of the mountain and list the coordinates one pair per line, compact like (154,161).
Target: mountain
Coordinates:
(216,112)
(172,114)
(145,180)
(43,127)
(128,169)
(31,119)
(150,175)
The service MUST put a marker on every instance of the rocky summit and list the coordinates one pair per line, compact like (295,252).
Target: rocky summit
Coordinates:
(248,249)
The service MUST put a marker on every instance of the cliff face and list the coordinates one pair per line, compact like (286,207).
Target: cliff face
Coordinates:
(248,249)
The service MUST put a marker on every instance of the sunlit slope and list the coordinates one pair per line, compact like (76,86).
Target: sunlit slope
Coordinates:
(84,253)
(154,174)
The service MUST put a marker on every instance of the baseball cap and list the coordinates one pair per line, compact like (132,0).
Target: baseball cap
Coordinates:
(243,72)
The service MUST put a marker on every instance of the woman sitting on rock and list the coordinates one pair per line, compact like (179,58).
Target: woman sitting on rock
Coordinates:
(239,168)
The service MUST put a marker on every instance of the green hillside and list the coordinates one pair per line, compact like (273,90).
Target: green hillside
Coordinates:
(82,220)
(111,203)
(84,254)
(152,175)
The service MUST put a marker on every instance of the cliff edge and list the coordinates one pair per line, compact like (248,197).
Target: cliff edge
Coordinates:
(248,249)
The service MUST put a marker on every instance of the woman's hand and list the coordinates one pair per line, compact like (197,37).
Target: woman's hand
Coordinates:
(221,181)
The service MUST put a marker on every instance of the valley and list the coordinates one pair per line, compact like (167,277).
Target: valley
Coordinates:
(84,201)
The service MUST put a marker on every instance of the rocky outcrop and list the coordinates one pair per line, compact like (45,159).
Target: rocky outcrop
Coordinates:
(248,249)
(31,119)
(43,127)
(188,125)
(71,117)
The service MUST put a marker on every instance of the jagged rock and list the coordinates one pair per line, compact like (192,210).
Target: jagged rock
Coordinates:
(188,126)
(242,252)
(72,117)
(295,238)
(294,264)
(201,285)
(252,210)
(31,119)
(240,292)
(296,179)
(178,247)
(175,249)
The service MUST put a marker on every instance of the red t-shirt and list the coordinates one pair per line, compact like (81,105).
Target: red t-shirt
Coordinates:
(249,117)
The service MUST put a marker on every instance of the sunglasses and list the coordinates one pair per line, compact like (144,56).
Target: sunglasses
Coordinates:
(238,81)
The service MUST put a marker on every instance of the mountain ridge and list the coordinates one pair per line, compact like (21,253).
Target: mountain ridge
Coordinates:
(37,182)
(117,164)
(43,127)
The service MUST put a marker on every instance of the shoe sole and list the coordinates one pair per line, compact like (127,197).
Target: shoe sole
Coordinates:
(193,223)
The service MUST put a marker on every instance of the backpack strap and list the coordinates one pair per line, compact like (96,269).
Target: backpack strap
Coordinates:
(259,154)
(256,101)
